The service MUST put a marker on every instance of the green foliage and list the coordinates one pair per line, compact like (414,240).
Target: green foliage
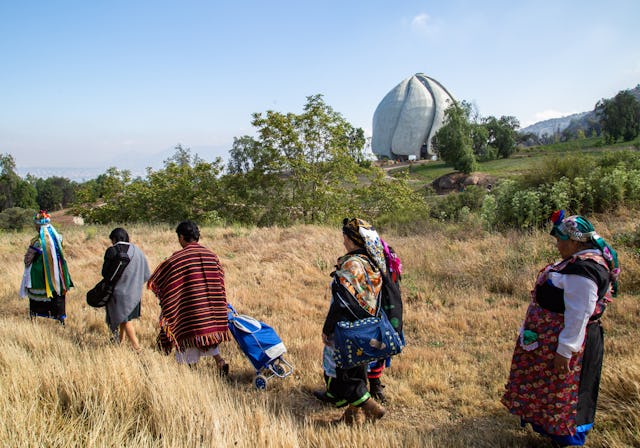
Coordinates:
(457,206)
(453,142)
(16,218)
(502,134)
(383,199)
(187,188)
(14,191)
(619,116)
(299,168)
(54,193)
(582,186)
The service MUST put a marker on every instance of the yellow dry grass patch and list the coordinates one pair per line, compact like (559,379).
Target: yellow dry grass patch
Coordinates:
(465,296)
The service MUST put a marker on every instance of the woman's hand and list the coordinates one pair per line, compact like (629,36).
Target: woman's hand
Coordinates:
(561,364)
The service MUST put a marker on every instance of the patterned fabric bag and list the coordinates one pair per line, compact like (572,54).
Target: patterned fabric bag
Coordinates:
(365,340)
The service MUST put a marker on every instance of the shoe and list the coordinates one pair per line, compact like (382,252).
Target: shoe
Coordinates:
(372,410)
(375,389)
(322,396)
(223,368)
(352,416)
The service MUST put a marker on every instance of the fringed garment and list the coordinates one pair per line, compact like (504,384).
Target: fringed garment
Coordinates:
(190,288)
(560,406)
(46,279)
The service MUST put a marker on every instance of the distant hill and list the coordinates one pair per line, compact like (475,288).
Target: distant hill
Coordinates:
(583,120)
(553,125)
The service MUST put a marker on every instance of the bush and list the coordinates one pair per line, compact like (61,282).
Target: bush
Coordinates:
(16,218)
(457,206)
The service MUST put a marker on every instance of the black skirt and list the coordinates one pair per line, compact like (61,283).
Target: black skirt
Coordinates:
(54,308)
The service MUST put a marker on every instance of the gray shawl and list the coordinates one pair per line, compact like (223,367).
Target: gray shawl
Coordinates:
(128,291)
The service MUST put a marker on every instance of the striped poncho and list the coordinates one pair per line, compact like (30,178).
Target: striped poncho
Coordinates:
(190,288)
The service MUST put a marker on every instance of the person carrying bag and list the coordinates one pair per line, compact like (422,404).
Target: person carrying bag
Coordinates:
(99,295)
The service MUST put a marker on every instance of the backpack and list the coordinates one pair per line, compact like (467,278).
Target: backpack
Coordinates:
(391,294)
(99,295)
(392,302)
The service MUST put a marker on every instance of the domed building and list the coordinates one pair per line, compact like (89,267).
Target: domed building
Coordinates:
(408,116)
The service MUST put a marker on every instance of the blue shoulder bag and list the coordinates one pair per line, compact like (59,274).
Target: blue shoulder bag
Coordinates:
(365,340)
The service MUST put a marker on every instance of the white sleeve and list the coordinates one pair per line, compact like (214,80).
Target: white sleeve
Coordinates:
(580,297)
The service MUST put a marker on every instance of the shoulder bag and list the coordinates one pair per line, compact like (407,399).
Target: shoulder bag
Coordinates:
(365,340)
(99,295)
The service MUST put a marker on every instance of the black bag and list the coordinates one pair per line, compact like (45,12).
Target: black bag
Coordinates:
(99,295)
(392,302)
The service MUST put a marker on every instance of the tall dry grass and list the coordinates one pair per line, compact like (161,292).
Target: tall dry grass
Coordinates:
(465,296)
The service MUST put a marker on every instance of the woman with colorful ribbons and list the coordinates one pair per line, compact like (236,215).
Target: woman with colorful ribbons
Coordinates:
(555,372)
(46,278)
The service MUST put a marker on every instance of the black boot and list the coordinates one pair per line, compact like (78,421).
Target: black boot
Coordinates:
(375,389)
(324,397)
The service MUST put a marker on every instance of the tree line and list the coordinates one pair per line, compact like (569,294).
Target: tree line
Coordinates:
(20,198)
(310,168)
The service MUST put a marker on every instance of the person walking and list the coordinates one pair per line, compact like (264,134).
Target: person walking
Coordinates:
(126,301)
(46,279)
(356,285)
(191,291)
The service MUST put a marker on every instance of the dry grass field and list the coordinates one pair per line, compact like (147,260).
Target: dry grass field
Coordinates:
(465,296)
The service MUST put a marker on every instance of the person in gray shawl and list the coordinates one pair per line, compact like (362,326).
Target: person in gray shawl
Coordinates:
(124,305)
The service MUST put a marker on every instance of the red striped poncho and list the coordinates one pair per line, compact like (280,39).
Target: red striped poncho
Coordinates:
(190,288)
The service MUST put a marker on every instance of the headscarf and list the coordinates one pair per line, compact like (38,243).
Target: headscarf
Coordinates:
(578,228)
(364,235)
(56,274)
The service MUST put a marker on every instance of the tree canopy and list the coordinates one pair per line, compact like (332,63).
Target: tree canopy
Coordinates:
(619,116)
(308,167)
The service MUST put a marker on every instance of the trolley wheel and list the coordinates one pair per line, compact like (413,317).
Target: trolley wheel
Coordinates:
(278,369)
(260,382)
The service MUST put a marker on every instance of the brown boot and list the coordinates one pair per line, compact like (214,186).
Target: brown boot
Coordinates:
(372,410)
(352,416)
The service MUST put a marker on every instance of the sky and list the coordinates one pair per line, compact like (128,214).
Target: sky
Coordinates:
(95,84)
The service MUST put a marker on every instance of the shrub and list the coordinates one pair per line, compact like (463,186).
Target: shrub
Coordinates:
(16,218)
(457,206)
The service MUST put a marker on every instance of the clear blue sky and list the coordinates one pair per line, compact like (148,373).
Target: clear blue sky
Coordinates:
(97,83)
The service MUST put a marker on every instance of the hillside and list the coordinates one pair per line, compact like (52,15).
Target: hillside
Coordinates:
(465,294)
(578,121)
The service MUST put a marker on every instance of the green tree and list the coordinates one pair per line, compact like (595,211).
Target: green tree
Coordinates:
(54,193)
(187,188)
(619,116)
(254,179)
(316,155)
(453,141)
(14,191)
(503,134)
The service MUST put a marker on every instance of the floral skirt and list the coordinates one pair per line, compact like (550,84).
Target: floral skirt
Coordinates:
(537,393)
